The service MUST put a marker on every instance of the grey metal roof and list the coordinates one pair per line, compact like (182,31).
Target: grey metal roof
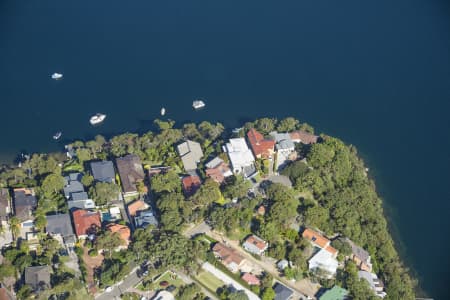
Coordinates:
(72,184)
(80,196)
(103,171)
(24,205)
(59,224)
(359,252)
(282,292)
(83,204)
(190,153)
(4,204)
(38,276)
(214,162)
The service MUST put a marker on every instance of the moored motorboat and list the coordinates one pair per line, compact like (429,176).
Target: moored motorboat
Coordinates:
(163,111)
(57,76)
(197,104)
(57,135)
(97,118)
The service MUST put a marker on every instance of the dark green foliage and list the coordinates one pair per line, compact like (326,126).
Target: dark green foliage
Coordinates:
(189,292)
(236,187)
(166,182)
(103,192)
(174,210)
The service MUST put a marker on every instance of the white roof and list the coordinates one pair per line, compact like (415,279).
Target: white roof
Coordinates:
(114,210)
(239,153)
(164,295)
(323,260)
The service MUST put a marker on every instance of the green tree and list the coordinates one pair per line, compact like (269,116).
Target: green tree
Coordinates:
(14,224)
(166,182)
(104,192)
(265,125)
(189,292)
(109,241)
(287,124)
(268,294)
(52,184)
(87,180)
(236,187)
(208,193)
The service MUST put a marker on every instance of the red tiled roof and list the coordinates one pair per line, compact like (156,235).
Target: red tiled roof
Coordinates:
(124,231)
(319,240)
(260,146)
(259,243)
(191,184)
(304,137)
(137,205)
(85,221)
(227,254)
(251,279)
(217,173)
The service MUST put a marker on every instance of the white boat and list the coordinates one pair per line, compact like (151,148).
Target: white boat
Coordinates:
(57,76)
(163,111)
(197,104)
(57,135)
(97,119)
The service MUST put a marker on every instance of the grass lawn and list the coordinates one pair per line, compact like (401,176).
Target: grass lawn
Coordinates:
(170,277)
(210,281)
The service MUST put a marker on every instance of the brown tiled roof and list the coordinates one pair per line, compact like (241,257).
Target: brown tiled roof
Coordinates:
(124,231)
(217,173)
(136,206)
(227,254)
(191,184)
(130,172)
(259,243)
(316,238)
(85,221)
(251,279)
(304,137)
(260,146)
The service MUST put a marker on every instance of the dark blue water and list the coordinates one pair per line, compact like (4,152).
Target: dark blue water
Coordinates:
(374,73)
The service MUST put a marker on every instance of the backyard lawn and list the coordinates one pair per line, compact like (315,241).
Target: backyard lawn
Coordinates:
(210,281)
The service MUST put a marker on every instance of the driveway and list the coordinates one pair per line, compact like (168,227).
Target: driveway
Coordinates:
(228,280)
(120,288)
(197,229)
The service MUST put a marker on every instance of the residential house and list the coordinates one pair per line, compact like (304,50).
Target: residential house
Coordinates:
(241,157)
(72,184)
(136,206)
(144,218)
(131,173)
(375,284)
(285,149)
(80,200)
(282,292)
(5,207)
(86,222)
(303,137)
(319,240)
(190,153)
(191,184)
(282,264)
(255,245)
(32,239)
(25,203)
(4,294)
(114,214)
(103,171)
(217,170)
(360,256)
(60,228)
(250,279)
(261,147)
(229,257)
(324,261)
(123,231)
(38,277)
(163,295)
(335,293)
(157,170)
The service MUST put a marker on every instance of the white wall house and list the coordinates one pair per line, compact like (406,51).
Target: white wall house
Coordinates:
(241,157)
(324,261)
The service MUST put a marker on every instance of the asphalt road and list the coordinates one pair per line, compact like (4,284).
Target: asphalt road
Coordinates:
(119,288)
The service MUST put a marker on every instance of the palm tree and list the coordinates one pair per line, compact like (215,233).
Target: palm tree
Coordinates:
(14,224)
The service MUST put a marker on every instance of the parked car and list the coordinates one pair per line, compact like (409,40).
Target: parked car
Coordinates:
(171,288)
(108,289)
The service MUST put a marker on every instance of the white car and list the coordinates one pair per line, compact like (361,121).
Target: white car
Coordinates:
(108,289)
